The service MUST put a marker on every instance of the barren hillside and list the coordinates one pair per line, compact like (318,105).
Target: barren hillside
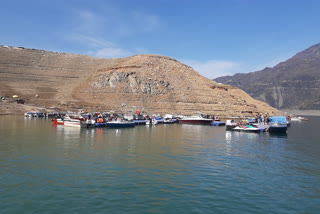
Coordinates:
(158,84)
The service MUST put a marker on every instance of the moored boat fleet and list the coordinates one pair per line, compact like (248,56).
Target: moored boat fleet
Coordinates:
(274,124)
(92,120)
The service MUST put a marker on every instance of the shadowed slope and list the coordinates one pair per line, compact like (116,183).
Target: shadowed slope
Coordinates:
(293,84)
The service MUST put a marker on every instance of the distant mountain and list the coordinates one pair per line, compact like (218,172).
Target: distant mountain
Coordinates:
(293,84)
(154,83)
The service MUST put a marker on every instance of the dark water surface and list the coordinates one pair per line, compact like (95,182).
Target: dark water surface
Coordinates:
(162,169)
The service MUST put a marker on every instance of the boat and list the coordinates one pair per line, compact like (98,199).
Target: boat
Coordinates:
(58,121)
(159,120)
(138,118)
(120,124)
(78,123)
(248,128)
(279,128)
(72,122)
(170,120)
(168,116)
(218,122)
(100,122)
(140,122)
(299,118)
(53,115)
(278,124)
(89,123)
(230,124)
(152,121)
(195,119)
(34,114)
(103,124)
(76,116)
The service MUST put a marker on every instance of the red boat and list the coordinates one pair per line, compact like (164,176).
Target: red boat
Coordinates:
(58,121)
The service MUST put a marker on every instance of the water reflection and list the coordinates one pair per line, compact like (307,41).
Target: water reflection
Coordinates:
(165,168)
(277,135)
(252,135)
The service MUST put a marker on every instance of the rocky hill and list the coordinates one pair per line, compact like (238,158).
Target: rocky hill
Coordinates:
(153,83)
(293,84)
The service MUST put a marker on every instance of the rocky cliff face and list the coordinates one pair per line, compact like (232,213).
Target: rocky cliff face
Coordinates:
(293,84)
(154,83)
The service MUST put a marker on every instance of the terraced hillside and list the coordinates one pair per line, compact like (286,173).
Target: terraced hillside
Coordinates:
(158,84)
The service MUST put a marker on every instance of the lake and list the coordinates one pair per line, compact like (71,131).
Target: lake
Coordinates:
(172,168)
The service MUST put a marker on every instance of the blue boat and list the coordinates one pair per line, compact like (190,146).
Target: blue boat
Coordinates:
(278,124)
(278,128)
(218,123)
(159,119)
(100,124)
(120,124)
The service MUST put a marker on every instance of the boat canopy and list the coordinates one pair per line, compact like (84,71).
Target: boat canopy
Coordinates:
(279,119)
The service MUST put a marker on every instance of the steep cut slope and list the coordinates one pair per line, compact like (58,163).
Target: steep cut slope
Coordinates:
(158,84)
(293,84)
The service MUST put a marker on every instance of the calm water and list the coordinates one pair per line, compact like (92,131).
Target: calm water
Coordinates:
(162,169)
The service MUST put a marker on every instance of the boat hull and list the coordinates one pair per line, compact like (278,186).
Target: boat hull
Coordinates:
(198,122)
(278,129)
(100,124)
(140,122)
(218,123)
(79,124)
(120,124)
(170,121)
(58,121)
(72,123)
(247,129)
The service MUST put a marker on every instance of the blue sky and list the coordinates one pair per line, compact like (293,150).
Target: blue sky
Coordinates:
(216,38)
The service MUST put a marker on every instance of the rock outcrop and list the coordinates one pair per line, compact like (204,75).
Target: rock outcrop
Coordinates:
(153,83)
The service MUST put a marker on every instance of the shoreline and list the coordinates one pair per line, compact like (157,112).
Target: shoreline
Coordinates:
(302,112)
(7,108)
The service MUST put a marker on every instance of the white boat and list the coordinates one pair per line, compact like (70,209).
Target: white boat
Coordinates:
(298,118)
(78,123)
(247,128)
(195,119)
(168,116)
(151,122)
(72,122)
(230,124)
